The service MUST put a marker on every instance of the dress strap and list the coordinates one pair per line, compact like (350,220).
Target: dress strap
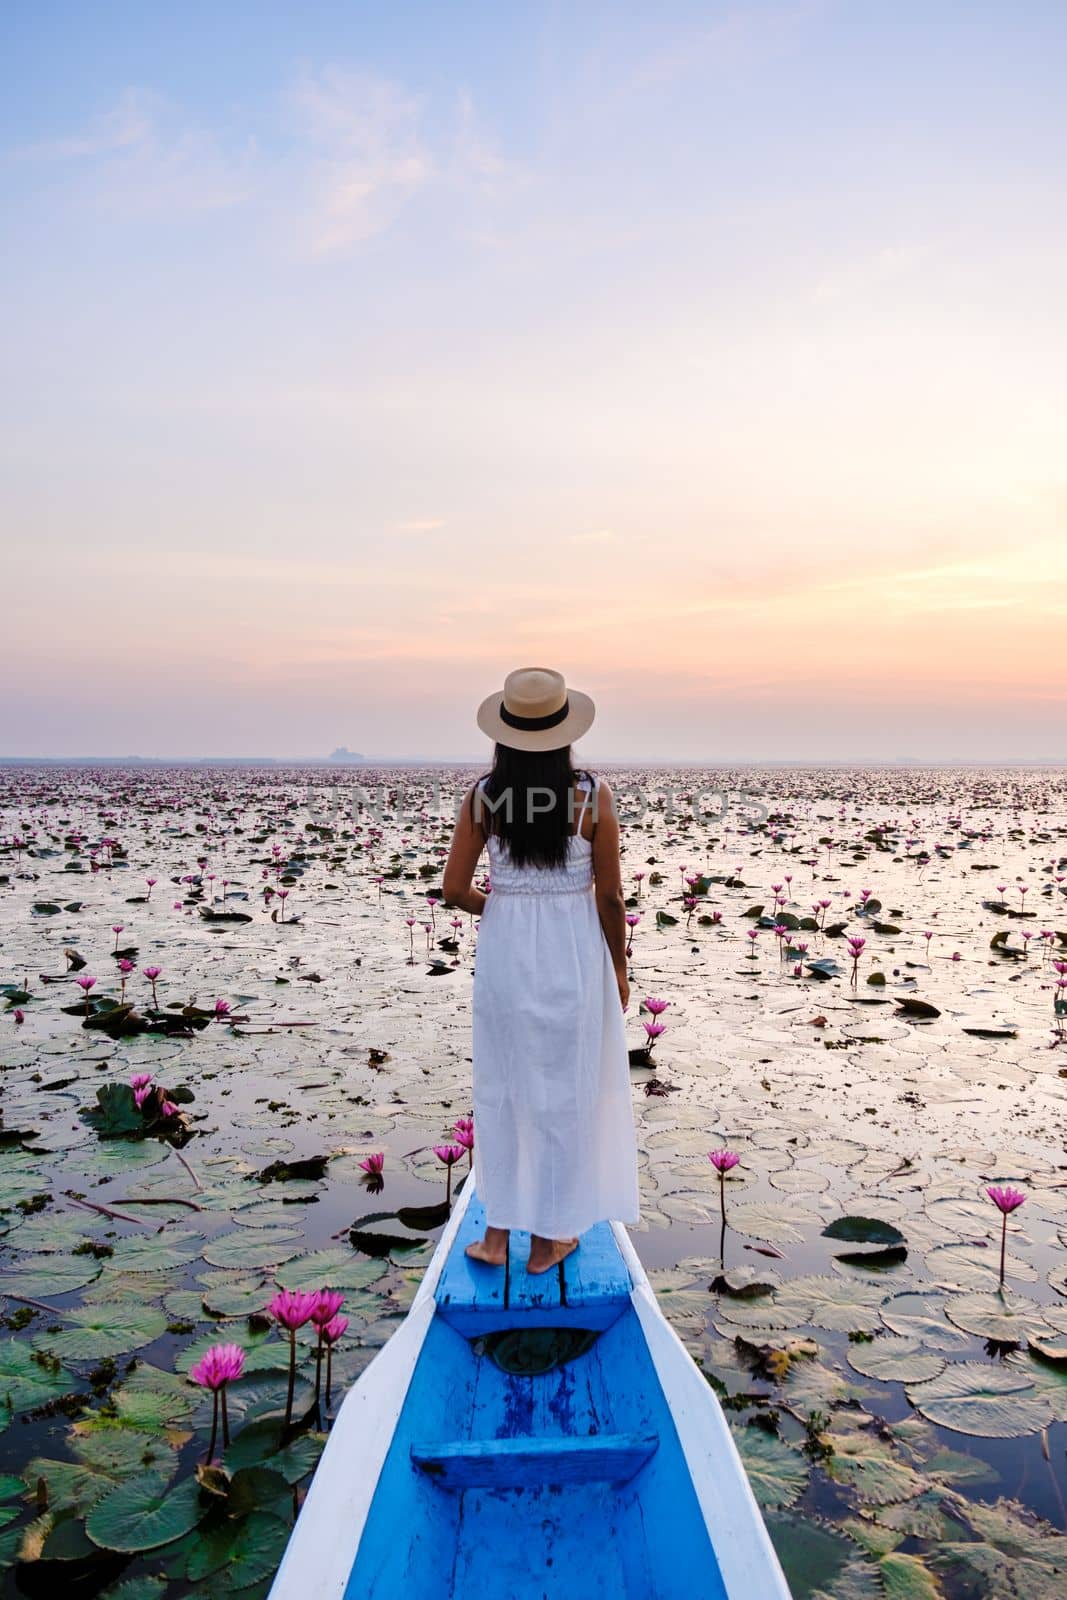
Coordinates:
(591,785)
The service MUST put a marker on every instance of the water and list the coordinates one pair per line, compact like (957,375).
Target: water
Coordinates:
(871,1482)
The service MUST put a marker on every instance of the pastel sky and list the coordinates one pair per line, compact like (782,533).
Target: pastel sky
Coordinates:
(356,353)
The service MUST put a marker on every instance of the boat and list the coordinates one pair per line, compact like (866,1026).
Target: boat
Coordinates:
(528,1437)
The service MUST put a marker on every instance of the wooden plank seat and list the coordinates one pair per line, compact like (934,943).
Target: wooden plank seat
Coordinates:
(529,1463)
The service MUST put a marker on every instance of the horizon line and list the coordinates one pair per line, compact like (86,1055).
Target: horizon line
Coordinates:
(473,761)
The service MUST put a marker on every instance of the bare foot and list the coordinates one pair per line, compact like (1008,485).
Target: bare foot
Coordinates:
(547,1253)
(493,1249)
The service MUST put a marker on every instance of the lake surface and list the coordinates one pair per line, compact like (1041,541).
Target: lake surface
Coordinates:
(903,1416)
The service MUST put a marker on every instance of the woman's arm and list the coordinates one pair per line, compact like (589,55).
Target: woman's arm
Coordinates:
(607,876)
(468,841)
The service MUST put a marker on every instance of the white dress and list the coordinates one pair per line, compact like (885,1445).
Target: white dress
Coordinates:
(553,1118)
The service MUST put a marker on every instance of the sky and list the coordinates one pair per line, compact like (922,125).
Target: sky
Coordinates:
(714,354)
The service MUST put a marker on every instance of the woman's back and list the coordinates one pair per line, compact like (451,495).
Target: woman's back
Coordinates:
(574,876)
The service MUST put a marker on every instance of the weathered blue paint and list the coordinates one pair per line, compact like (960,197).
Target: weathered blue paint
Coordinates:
(553,1520)
(590,1288)
(592,1458)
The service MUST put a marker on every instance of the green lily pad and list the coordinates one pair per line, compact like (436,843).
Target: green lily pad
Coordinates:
(771,1222)
(990,1402)
(863,1230)
(27,1380)
(996,1315)
(267,1247)
(145,1513)
(99,1331)
(264,1351)
(819,1562)
(906,1577)
(144,1588)
(247,1550)
(42,1277)
(844,1305)
(868,1464)
(895,1360)
(153,1252)
(921,1316)
(962,1267)
(777,1472)
(330,1269)
(48,1232)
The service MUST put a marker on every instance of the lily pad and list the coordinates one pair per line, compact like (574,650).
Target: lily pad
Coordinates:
(27,1380)
(99,1331)
(777,1472)
(863,1230)
(895,1360)
(145,1513)
(996,1315)
(990,1402)
(266,1247)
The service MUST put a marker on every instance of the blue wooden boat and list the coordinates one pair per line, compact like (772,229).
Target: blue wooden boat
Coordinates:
(457,1467)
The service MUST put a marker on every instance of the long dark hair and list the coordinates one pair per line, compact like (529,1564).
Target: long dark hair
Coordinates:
(534,826)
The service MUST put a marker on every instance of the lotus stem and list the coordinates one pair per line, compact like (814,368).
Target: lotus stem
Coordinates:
(318,1374)
(214,1424)
(292,1377)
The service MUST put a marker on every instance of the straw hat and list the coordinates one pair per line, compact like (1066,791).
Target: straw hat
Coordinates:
(536,711)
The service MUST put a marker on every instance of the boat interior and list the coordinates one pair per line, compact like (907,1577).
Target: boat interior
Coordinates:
(535,1453)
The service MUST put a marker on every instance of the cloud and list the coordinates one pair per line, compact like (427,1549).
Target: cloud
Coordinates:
(421,525)
(127,124)
(143,161)
(739,35)
(370,156)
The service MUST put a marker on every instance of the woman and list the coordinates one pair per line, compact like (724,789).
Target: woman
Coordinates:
(551,1081)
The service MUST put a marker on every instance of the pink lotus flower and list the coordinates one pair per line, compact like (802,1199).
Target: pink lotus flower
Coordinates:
(449,1154)
(655,1005)
(139,1080)
(293,1307)
(216,1368)
(723,1161)
(374,1163)
(333,1330)
(19,1015)
(328,1303)
(219,1365)
(654,1029)
(1007,1200)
